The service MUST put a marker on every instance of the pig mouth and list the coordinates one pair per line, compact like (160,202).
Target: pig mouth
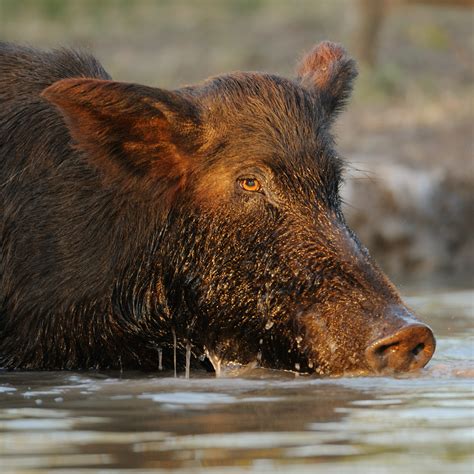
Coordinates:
(390,360)
(402,347)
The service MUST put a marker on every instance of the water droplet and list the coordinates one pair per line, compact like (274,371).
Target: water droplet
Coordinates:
(174,352)
(160,358)
(259,356)
(215,361)
(188,359)
(261,341)
(269,325)
(297,366)
(310,364)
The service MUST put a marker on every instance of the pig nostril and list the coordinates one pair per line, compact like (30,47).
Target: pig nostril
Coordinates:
(419,348)
(409,348)
(385,348)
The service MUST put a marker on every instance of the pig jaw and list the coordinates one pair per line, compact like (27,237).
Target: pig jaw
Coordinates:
(330,338)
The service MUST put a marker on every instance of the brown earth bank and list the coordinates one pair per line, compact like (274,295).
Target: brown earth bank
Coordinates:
(409,186)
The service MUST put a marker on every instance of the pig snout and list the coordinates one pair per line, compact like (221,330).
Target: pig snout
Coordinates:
(401,349)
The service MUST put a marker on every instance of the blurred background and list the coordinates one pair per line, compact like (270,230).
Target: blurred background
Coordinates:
(407,135)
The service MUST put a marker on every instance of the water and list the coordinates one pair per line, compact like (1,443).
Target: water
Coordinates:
(266,421)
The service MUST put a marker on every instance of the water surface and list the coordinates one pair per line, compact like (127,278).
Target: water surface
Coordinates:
(267,421)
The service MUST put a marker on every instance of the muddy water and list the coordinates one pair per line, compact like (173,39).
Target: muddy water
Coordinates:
(263,422)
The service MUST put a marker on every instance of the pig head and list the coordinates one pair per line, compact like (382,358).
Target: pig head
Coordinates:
(249,258)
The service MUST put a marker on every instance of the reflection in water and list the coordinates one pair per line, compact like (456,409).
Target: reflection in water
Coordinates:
(265,422)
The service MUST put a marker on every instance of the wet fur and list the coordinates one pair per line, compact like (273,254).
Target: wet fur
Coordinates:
(107,252)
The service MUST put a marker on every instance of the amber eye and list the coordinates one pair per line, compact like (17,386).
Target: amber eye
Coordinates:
(250,184)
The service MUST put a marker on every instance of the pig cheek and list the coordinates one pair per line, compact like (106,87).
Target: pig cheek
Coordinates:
(334,343)
(213,188)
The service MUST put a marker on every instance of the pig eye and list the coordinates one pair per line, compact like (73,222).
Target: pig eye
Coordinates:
(250,184)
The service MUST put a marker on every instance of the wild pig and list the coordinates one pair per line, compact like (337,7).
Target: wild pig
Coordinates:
(134,217)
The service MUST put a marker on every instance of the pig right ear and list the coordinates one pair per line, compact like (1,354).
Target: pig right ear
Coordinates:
(134,135)
(328,72)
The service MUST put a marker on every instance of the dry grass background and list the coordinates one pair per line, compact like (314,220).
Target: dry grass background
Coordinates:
(407,136)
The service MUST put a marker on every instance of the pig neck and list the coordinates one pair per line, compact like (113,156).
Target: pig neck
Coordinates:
(115,324)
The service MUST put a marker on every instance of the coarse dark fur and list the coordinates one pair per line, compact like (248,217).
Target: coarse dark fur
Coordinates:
(124,225)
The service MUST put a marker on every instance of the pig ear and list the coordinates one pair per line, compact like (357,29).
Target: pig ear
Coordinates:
(329,72)
(133,134)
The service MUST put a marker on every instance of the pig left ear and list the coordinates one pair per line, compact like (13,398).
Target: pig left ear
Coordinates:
(327,71)
(136,136)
